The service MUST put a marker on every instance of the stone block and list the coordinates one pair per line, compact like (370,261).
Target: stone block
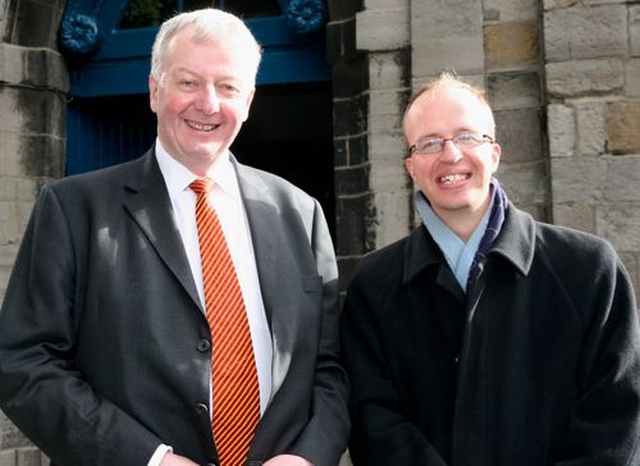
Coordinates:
(357,216)
(526,184)
(382,29)
(513,90)
(577,216)
(519,133)
(634,29)
(386,148)
(511,10)
(632,78)
(561,130)
(591,134)
(446,35)
(511,44)
(463,55)
(43,155)
(585,32)
(10,436)
(10,147)
(622,179)
(340,10)
(389,70)
(393,212)
(29,457)
(578,180)
(12,60)
(341,152)
(350,116)
(46,68)
(578,78)
(384,4)
(358,148)
(350,78)
(556,4)
(620,224)
(8,458)
(622,120)
(445,18)
(40,21)
(352,181)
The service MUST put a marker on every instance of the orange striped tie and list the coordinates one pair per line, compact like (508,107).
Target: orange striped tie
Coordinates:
(236,399)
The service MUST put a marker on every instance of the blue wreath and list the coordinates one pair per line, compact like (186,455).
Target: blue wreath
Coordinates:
(79,34)
(306,16)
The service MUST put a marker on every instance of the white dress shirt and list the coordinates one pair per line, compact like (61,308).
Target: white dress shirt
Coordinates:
(226,200)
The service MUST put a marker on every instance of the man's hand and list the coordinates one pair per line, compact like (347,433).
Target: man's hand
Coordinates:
(288,460)
(170,459)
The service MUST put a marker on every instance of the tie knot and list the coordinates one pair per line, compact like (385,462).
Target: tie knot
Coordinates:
(202,185)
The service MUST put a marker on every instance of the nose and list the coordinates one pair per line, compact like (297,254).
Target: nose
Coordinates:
(451,153)
(207,101)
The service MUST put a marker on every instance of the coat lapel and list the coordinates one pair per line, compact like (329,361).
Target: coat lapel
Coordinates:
(147,201)
(263,215)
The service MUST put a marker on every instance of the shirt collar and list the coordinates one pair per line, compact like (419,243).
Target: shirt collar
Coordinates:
(178,177)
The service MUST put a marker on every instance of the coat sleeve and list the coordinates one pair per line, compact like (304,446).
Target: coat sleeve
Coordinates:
(41,389)
(604,426)
(381,433)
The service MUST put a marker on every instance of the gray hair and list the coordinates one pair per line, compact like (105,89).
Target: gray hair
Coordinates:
(211,25)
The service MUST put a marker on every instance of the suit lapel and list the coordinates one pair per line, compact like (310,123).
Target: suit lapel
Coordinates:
(147,201)
(263,214)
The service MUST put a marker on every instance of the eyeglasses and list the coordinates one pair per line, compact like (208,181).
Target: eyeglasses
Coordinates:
(467,140)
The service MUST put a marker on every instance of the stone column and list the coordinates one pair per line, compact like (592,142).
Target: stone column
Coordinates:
(33,87)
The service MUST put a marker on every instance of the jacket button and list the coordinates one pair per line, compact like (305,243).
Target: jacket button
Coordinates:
(204,345)
(202,409)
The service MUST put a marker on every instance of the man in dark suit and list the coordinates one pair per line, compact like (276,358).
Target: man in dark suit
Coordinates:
(105,350)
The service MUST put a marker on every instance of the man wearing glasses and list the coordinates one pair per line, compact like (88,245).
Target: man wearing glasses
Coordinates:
(485,338)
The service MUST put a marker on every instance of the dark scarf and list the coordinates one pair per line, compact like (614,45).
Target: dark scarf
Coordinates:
(496,219)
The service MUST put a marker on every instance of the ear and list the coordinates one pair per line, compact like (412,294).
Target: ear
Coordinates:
(248,104)
(153,94)
(495,156)
(408,164)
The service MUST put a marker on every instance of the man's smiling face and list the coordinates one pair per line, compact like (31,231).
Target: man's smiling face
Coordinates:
(456,180)
(201,99)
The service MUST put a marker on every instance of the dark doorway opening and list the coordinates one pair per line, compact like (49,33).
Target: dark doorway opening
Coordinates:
(289,132)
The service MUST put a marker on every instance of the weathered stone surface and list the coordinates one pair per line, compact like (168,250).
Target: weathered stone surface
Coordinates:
(585,32)
(622,120)
(579,78)
(592,136)
(511,44)
(561,130)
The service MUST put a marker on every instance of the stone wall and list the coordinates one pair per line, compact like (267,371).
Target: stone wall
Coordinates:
(33,86)
(593,113)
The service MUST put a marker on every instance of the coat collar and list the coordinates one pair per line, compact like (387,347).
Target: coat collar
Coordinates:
(515,243)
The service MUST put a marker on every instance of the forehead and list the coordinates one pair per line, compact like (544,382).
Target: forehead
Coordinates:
(447,110)
(208,57)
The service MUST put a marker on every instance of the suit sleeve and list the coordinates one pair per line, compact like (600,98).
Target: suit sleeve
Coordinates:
(381,432)
(604,426)
(41,389)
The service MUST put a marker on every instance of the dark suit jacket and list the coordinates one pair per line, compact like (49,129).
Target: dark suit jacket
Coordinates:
(104,347)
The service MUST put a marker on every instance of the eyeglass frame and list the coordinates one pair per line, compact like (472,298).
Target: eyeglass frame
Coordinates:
(485,138)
